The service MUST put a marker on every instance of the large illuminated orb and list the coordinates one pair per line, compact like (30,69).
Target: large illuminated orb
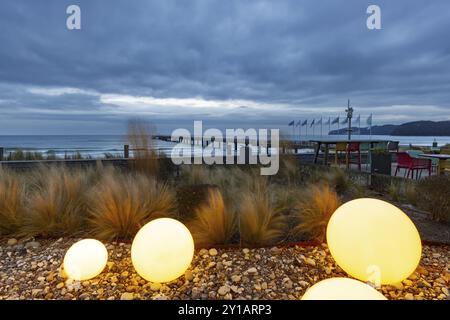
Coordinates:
(342,289)
(374,241)
(162,250)
(85,259)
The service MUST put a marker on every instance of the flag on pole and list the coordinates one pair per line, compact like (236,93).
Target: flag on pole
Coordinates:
(369,123)
(319,122)
(345,121)
(329,125)
(298,123)
(305,123)
(291,123)
(312,123)
(358,119)
(335,121)
(369,120)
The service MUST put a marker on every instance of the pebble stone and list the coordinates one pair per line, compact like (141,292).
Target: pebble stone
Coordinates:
(262,273)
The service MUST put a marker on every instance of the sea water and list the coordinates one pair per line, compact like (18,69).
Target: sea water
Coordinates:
(97,146)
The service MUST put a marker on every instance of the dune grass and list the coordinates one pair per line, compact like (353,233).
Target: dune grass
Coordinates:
(57,203)
(261,221)
(214,222)
(435,196)
(122,203)
(219,204)
(314,211)
(12,206)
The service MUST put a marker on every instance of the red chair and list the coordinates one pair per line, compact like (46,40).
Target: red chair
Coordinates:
(354,147)
(410,164)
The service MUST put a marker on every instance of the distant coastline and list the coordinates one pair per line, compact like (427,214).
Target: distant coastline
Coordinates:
(416,128)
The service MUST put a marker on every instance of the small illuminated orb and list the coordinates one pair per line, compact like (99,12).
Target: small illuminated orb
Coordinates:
(85,259)
(374,241)
(162,250)
(342,289)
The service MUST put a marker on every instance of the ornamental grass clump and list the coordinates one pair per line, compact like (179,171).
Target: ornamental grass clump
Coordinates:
(214,222)
(57,203)
(120,204)
(12,202)
(261,220)
(435,196)
(314,211)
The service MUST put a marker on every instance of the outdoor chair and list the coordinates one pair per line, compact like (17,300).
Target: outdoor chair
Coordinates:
(340,147)
(353,147)
(392,146)
(416,154)
(411,164)
(364,148)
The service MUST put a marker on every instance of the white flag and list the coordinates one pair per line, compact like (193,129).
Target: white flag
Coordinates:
(369,120)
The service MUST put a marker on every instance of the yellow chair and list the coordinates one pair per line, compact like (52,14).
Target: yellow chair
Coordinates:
(444,166)
(340,147)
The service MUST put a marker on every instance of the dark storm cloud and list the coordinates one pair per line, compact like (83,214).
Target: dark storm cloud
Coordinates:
(280,59)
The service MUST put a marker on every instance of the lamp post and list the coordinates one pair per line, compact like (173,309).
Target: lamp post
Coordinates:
(349,111)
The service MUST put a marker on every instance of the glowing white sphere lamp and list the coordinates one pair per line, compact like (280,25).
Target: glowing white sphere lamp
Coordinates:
(342,289)
(85,259)
(162,250)
(372,240)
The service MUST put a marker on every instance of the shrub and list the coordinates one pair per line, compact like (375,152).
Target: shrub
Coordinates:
(315,210)
(289,172)
(194,174)
(57,205)
(122,203)
(394,191)
(410,193)
(213,222)
(339,180)
(189,198)
(19,155)
(435,196)
(261,221)
(12,206)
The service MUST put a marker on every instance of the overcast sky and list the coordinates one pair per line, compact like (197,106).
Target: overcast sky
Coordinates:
(229,63)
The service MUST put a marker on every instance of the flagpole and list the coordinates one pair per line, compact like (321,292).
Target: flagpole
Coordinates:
(321,127)
(329,125)
(293,131)
(300,130)
(359,126)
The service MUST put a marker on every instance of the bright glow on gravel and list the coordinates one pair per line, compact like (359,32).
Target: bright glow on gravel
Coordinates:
(85,259)
(372,240)
(342,289)
(162,250)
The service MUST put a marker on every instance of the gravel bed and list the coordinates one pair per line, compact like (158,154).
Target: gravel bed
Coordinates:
(32,270)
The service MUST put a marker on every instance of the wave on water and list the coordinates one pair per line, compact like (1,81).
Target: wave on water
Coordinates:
(98,146)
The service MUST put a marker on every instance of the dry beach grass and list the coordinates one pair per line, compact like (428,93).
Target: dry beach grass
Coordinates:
(236,207)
